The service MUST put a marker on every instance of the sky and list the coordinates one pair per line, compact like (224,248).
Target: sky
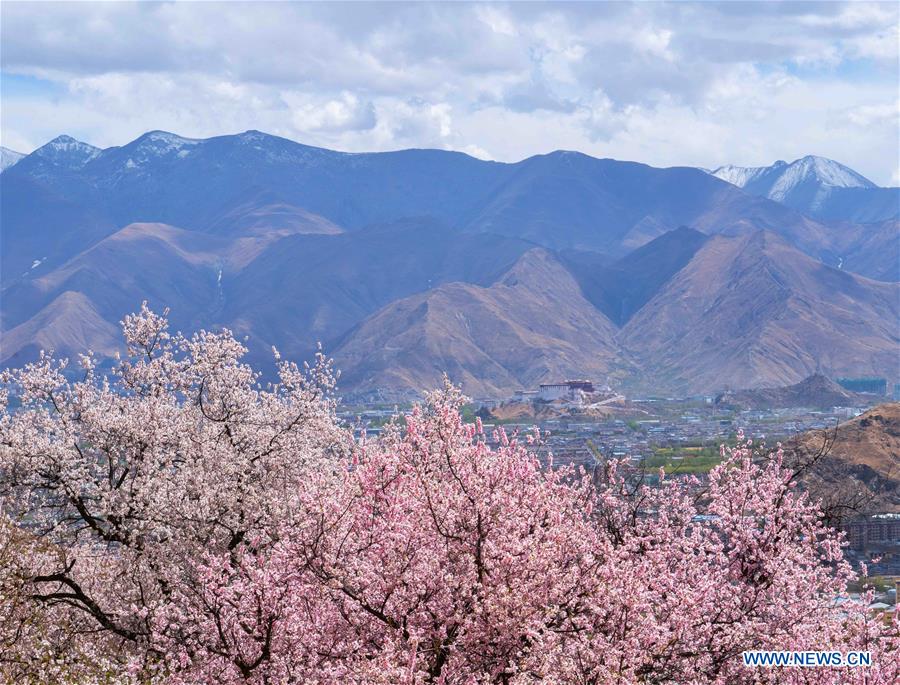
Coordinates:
(667,84)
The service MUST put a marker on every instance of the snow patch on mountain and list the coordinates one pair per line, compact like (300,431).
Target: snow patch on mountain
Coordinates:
(67,152)
(157,145)
(742,175)
(163,142)
(8,157)
(276,150)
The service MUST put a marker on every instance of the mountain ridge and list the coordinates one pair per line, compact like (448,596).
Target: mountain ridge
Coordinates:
(604,205)
(399,312)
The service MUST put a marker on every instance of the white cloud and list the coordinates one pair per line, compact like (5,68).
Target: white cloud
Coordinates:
(344,113)
(496,19)
(866,116)
(655,42)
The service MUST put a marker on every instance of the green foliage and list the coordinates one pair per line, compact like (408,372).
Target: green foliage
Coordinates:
(468,413)
(878,583)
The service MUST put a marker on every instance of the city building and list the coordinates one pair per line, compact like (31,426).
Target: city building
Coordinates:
(876,532)
(564,391)
(871,386)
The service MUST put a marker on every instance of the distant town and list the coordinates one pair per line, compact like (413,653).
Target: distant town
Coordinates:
(585,422)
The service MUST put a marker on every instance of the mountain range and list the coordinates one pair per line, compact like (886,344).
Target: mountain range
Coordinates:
(407,264)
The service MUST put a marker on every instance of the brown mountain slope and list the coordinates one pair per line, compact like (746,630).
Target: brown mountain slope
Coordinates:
(310,288)
(732,215)
(860,471)
(752,311)
(70,324)
(279,288)
(531,326)
(153,262)
(874,251)
(266,212)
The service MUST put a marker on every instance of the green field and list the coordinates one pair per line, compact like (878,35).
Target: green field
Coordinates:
(693,459)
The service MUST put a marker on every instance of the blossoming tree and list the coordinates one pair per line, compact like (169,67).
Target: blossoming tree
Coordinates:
(179,523)
(126,481)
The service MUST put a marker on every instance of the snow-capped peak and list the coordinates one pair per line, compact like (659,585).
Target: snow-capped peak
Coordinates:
(66,151)
(781,177)
(8,157)
(817,186)
(67,144)
(828,172)
(252,136)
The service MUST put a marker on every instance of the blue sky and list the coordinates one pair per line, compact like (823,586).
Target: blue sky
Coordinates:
(664,83)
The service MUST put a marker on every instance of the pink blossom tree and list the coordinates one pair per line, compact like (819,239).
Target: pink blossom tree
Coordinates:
(183,524)
(126,481)
(441,560)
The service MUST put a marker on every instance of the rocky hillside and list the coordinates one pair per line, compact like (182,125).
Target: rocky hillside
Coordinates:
(859,471)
